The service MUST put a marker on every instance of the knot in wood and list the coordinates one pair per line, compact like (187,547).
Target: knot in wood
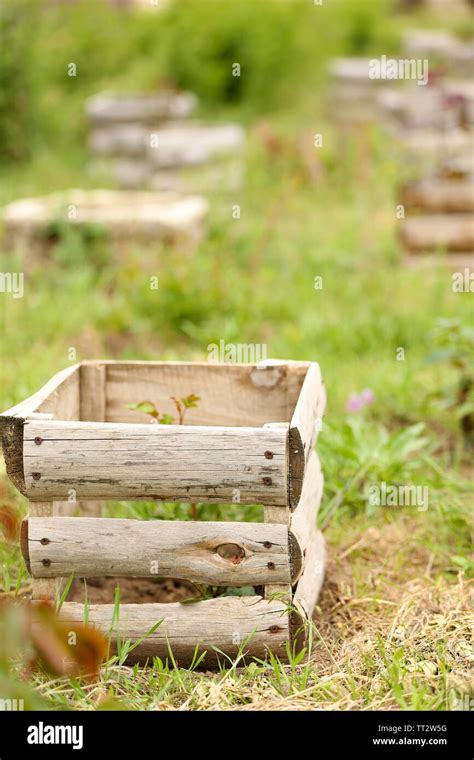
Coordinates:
(232,552)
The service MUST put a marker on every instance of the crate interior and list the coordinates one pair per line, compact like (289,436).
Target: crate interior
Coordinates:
(241,395)
(236,395)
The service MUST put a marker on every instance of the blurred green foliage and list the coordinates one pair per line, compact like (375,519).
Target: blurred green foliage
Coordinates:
(18,87)
(281,46)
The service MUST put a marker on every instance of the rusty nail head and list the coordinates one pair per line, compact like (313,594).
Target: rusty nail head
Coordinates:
(46,562)
(274,628)
(267,544)
(38,440)
(36,475)
(267,481)
(271,565)
(268,455)
(44,541)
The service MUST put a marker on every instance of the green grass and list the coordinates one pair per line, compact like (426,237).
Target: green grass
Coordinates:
(391,631)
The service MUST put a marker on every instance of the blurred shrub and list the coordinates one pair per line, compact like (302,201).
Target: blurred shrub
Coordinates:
(282,47)
(17,87)
(275,44)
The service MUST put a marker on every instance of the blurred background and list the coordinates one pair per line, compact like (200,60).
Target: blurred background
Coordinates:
(292,202)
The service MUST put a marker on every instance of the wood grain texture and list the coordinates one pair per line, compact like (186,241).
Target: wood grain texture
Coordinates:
(60,396)
(42,588)
(170,462)
(226,623)
(305,425)
(92,392)
(231,394)
(92,403)
(296,374)
(303,519)
(311,581)
(234,554)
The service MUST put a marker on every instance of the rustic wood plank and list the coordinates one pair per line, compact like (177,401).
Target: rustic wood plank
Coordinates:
(281,516)
(297,372)
(305,425)
(42,588)
(231,394)
(171,462)
(92,392)
(311,581)
(303,519)
(92,402)
(234,554)
(60,394)
(226,623)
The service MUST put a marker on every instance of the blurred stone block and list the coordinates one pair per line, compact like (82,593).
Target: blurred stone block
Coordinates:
(121,139)
(436,144)
(152,148)
(440,47)
(426,43)
(225,176)
(415,107)
(438,232)
(461,166)
(194,144)
(442,196)
(131,173)
(115,108)
(353,92)
(461,93)
(131,218)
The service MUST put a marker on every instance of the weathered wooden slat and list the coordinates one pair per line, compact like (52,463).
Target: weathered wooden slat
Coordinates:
(42,588)
(311,581)
(171,462)
(92,402)
(92,392)
(59,396)
(234,554)
(230,394)
(296,374)
(304,428)
(278,517)
(303,519)
(225,623)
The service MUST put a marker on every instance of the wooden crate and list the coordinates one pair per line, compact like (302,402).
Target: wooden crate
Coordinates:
(251,437)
